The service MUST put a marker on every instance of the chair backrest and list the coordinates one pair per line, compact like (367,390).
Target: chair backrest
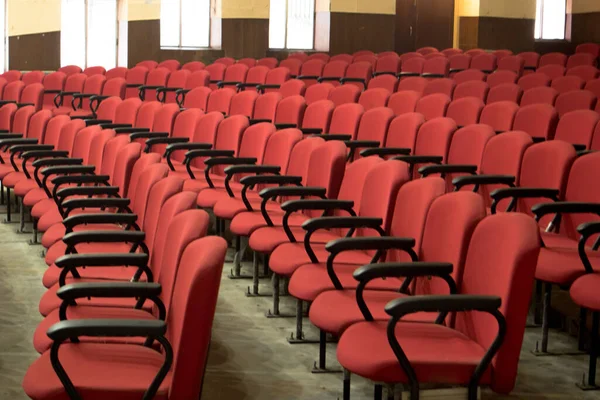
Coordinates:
(115,87)
(534,80)
(135,77)
(280,146)
(434,139)
(441,85)
(156,77)
(346,119)
(310,71)
(177,80)
(539,95)
(344,94)
(216,72)
(465,111)
(34,94)
(198,78)
(335,69)
(277,76)
(220,100)
(265,106)
(53,129)
(117,72)
(360,70)
(292,64)
(12,75)
(318,92)
(450,52)
(171,65)
(505,92)
(579,59)
(124,112)
(97,148)
(37,125)
(427,50)
(469,75)
(52,83)
(388,64)
(513,268)
(21,119)
(577,127)
(7,114)
(91,71)
(146,114)
(183,127)
(553,59)
(249,62)
(553,71)
(33,77)
(477,89)
(148,64)
(538,120)
(254,141)
(269,62)
(374,124)
(415,83)
(590,48)
(300,156)
(73,84)
(236,73)
(257,75)
(500,115)
(413,65)
(407,56)
(403,131)
(227,61)
(532,59)
(164,118)
(404,101)
(70,69)
(118,159)
(460,62)
(197,98)
(68,133)
(82,143)
(564,84)
(292,87)
(433,105)
(194,66)
(438,67)
(370,58)
(373,98)
(146,173)
(318,115)
(229,135)
(575,100)
(290,110)
(326,169)
(501,77)
(485,62)
(512,63)
(243,103)
(585,72)
(342,57)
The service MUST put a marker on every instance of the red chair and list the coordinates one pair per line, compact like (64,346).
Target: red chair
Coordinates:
(438,67)
(32,95)
(393,359)
(319,56)
(369,58)
(465,111)
(318,92)
(412,67)
(265,107)
(70,70)
(539,95)
(220,100)
(553,59)
(177,81)
(317,117)
(54,83)
(401,136)
(539,120)
(532,61)
(148,64)
(135,78)
(293,65)
(477,89)
(342,57)
(91,71)
(553,71)
(459,62)
(505,92)
(565,84)
(193,66)
(117,72)
(226,61)
(407,56)
(269,62)
(427,50)
(469,75)
(579,59)
(594,87)
(512,63)
(358,74)
(475,52)
(73,84)
(585,72)
(484,62)
(12,75)
(500,115)
(216,72)
(157,78)
(404,101)
(575,100)
(311,71)
(345,120)
(371,132)
(451,52)
(374,98)
(344,94)
(249,62)
(577,127)
(415,83)
(389,65)
(441,85)
(275,78)
(387,82)
(196,98)
(94,86)
(591,48)
(501,54)
(243,104)
(501,77)
(434,55)
(534,80)
(433,106)
(33,77)
(234,75)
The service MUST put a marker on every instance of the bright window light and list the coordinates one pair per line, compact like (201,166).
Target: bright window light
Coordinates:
(185,23)
(3,52)
(292,24)
(72,33)
(550,19)
(102,33)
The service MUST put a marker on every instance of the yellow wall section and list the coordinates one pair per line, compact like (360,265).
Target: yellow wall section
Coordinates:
(364,6)
(585,6)
(507,8)
(257,9)
(142,10)
(464,8)
(27,17)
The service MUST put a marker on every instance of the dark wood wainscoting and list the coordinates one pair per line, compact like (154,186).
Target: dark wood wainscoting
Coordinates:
(351,32)
(496,33)
(245,37)
(39,51)
(586,28)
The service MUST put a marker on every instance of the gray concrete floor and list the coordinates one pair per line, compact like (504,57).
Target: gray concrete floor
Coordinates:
(250,357)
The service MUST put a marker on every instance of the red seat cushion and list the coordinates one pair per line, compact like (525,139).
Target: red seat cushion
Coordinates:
(266,239)
(12,179)
(561,266)
(56,232)
(63,110)
(247,222)
(59,248)
(584,291)
(33,197)
(335,310)
(98,371)
(199,184)
(6,169)
(41,341)
(52,274)
(436,353)
(229,208)
(310,280)
(209,197)
(45,207)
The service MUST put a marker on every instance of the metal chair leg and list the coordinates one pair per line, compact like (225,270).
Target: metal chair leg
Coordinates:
(346,386)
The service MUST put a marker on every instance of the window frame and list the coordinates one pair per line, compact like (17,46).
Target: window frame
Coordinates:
(211,4)
(285,47)
(566,36)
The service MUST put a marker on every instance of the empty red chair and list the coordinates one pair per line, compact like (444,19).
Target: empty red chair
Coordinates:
(534,80)
(346,119)
(567,83)
(94,86)
(389,65)
(311,71)
(12,75)
(459,62)
(54,83)
(512,63)
(441,85)
(12,93)
(369,58)
(177,81)
(372,130)
(70,69)
(538,120)
(404,101)
(373,98)
(438,67)
(427,50)
(269,62)
(477,89)
(577,127)
(342,57)
(407,56)
(358,74)
(402,134)
(469,75)
(539,95)
(500,115)
(91,71)
(575,100)
(234,75)
(7,114)
(594,87)
(318,92)
(33,95)
(196,98)
(216,72)
(243,103)
(553,59)
(465,111)
(317,117)
(249,62)
(532,60)
(590,48)
(501,77)
(293,87)
(344,94)
(220,100)
(501,54)
(505,92)
(434,55)
(433,106)
(73,84)
(363,53)
(227,61)
(33,77)
(333,72)
(193,66)
(298,55)
(387,53)
(553,71)
(475,52)
(275,78)
(415,83)
(3,83)
(290,111)
(157,78)
(412,67)
(135,78)
(387,82)
(293,65)
(117,72)
(484,62)
(319,56)
(148,64)
(579,59)
(585,72)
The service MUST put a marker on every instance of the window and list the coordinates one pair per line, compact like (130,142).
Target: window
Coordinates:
(550,19)
(292,24)
(185,23)
(3,37)
(89,33)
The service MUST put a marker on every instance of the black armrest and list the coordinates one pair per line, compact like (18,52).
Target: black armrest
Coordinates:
(85,95)
(65,330)
(4,136)
(318,204)
(261,88)
(241,85)
(447,169)
(252,169)
(182,146)
(271,179)
(452,303)
(74,238)
(401,270)
(20,145)
(392,73)
(99,218)
(285,126)
(407,74)
(259,121)
(102,260)
(148,135)
(477,180)
(432,75)
(86,191)
(521,193)
(579,147)
(270,193)
(190,155)
(80,179)
(50,157)
(308,77)
(342,223)
(211,162)
(69,169)
(370,243)
(227,83)
(358,80)
(311,131)
(336,136)
(587,230)
(420,159)
(19,105)
(91,122)
(110,289)
(97,202)
(565,207)
(354,144)
(163,140)
(385,151)
(329,79)
(129,129)
(150,87)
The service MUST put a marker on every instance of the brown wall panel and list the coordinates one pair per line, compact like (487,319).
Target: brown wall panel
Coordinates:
(36,51)
(352,32)
(144,44)
(468,36)
(586,28)
(506,33)
(245,37)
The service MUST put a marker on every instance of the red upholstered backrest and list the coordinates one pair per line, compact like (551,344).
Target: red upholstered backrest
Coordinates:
(292,87)
(505,92)
(404,101)
(484,62)
(360,69)
(415,83)
(254,142)
(198,78)
(326,169)
(83,142)
(552,71)
(12,75)
(500,115)
(125,157)
(205,132)
(451,220)
(171,65)
(538,120)
(183,127)
(414,65)
(437,65)
(53,81)
(403,130)
(13,90)
(318,115)
(22,118)
(469,75)
(94,85)
(34,94)
(407,56)
(70,69)
(220,100)
(236,73)
(156,77)
(512,63)
(534,80)
(342,57)
(37,125)
(118,72)
(148,64)
(553,58)
(269,62)
(114,87)
(177,79)
(585,72)
(127,112)
(373,98)
(317,92)
(97,148)
(146,114)
(257,75)
(374,124)
(73,83)
(279,148)
(344,94)
(346,119)
(67,134)
(440,85)
(465,111)
(266,106)
(590,48)
(539,95)
(135,76)
(575,100)
(312,68)
(158,196)
(164,118)
(277,76)
(33,77)
(507,245)
(290,110)
(335,69)
(577,127)
(141,163)
(565,84)
(243,103)
(387,82)
(460,61)
(370,58)
(433,105)
(532,59)
(300,157)
(217,72)
(353,184)
(229,136)
(293,65)
(434,139)
(7,114)
(410,212)
(197,98)
(149,176)
(53,128)
(108,108)
(501,77)
(189,324)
